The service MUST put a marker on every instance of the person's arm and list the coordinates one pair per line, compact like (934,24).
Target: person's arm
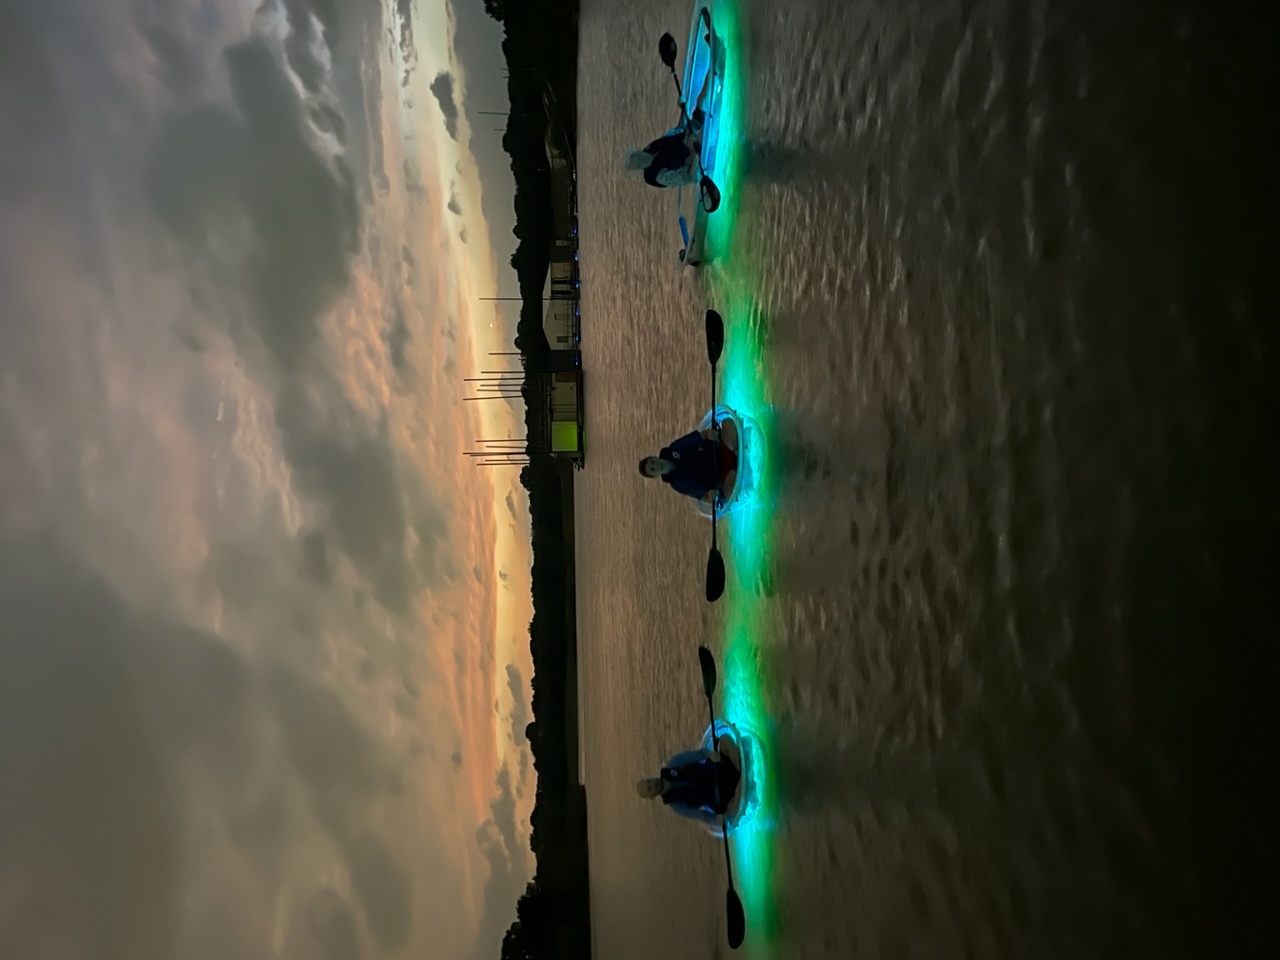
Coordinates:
(684,757)
(688,444)
(695,813)
(712,495)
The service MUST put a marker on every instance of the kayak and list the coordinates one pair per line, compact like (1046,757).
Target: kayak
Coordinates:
(704,57)
(746,753)
(742,435)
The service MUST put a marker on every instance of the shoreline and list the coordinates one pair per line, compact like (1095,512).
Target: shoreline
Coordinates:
(553,916)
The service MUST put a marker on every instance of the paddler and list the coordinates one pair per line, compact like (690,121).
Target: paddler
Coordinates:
(700,464)
(697,784)
(671,160)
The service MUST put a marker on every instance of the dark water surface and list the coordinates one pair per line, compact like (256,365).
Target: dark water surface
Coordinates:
(1012,264)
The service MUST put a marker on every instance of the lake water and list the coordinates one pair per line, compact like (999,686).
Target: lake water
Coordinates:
(991,285)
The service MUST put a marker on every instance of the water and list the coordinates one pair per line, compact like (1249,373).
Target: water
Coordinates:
(997,268)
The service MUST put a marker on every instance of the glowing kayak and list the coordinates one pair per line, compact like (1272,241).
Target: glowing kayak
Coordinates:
(742,435)
(704,57)
(746,753)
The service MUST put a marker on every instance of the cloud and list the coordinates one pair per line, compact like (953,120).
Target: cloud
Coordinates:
(328,748)
(176,63)
(98,702)
(408,53)
(315,563)
(519,710)
(200,500)
(325,12)
(380,512)
(397,337)
(498,842)
(261,160)
(338,761)
(304,55)
(412,179)
(476,40)
(333,927)
(442,89)
(328,120)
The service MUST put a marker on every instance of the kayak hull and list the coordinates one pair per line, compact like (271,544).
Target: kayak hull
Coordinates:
(745,804)
(748,456)
(703,57)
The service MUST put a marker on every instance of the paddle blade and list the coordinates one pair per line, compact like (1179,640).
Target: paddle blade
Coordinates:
(737,920)
(715,575)
(708,664)
(710,195)
(667,50)
(715,336)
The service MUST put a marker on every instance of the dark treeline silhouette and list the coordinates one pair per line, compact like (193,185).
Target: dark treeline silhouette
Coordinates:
(541,49)
(552,917)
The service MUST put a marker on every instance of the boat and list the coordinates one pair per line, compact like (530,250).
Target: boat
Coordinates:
(742,435)
(744,750)
(704,55)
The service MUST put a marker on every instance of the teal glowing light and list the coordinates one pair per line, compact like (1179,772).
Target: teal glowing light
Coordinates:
(751,451)
(731,124)
(749,530)
(749,537)
(750,755)
(748,547)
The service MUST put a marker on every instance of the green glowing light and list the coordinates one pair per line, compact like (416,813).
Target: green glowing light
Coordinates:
(749,537)
(749,544)
(732,124)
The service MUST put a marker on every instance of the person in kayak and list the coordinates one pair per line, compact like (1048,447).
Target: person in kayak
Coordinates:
(700,464)
(696,784)
(671,160)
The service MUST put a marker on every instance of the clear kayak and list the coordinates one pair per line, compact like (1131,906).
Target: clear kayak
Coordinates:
(743,749)
(704,61)
(742,435)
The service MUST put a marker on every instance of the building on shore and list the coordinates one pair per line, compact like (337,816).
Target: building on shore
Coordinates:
(555,394)
(550,383)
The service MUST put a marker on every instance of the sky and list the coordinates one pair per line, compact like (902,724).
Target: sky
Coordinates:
(264,667)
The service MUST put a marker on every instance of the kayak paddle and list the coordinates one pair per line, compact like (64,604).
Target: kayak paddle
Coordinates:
(715,338)
(667,51)
(737,921)
(715,562)
(709,194)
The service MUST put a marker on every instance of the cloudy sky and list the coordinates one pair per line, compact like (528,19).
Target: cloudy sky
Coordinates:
(263,628)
